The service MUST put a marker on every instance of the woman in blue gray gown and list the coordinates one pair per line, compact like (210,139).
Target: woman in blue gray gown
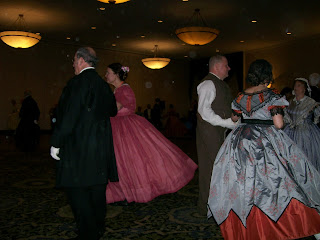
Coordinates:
(262,185)
(301,117)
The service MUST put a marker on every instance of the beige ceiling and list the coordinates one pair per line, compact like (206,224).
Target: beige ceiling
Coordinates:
(123,24)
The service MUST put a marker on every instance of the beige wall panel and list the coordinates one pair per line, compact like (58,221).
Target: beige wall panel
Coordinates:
(289,61)
(46,68)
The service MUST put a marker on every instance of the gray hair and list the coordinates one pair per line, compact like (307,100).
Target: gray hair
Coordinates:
(88,55)
(215,59)
(27,92)
(314,79)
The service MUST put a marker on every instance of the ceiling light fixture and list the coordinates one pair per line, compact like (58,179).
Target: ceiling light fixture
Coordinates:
(18,38)
(155,63)
(197,32)
(113,1)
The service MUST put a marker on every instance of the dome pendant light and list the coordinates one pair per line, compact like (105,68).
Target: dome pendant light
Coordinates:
(155,62)
(19,39)
(113,1)
(197,32)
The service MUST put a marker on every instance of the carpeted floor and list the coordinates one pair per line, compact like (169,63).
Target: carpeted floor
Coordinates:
(32,208)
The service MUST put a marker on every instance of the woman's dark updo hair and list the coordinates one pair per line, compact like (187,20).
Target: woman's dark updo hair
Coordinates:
(117,69)
(260,71)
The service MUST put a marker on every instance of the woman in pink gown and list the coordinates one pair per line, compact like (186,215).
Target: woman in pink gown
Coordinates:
(148,164)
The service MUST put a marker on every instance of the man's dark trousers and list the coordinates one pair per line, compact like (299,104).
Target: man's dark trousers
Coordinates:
(89,209)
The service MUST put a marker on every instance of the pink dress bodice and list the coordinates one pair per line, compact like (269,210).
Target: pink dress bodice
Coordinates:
(126,97)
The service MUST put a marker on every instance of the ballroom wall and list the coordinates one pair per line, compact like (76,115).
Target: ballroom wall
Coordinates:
(46,67)
(298,58)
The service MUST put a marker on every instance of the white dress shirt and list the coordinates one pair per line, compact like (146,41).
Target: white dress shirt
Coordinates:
(86,69)
(206,94)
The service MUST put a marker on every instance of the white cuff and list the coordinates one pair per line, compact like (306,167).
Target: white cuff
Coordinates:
(228,123)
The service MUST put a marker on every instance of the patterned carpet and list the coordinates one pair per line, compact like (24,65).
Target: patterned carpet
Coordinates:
(32,208)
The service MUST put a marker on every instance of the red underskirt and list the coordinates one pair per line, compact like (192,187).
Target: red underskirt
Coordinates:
(297,221)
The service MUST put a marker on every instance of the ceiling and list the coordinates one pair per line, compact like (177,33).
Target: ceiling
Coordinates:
(124,24)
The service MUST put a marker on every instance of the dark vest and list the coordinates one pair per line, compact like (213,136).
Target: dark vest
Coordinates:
(221,105)
(222,102)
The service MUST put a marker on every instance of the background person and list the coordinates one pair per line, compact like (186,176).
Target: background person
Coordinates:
(314,82)
(301,118)
(147,113)
(28,130)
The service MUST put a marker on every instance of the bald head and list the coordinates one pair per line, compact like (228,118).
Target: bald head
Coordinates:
(218,65)
(214,60)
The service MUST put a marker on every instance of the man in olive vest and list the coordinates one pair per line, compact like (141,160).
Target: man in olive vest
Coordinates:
(214,112)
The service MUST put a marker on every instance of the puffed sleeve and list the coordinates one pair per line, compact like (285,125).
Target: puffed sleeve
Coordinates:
(277,106)
(236,111)
(126,97)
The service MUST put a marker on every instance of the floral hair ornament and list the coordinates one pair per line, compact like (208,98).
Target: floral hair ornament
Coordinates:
(125,69)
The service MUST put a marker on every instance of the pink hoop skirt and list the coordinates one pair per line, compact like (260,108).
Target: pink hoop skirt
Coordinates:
(148,164)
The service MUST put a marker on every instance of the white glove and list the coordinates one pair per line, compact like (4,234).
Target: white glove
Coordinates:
(54,153)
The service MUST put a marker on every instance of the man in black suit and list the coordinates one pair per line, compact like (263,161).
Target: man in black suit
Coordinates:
(82,142)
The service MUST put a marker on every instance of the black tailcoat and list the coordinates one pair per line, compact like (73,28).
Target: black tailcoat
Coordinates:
(83,132)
